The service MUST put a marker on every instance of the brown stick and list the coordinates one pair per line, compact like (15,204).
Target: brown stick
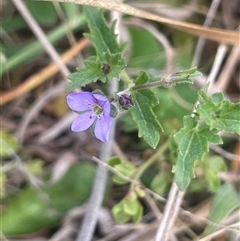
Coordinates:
(43,75)
(219,35)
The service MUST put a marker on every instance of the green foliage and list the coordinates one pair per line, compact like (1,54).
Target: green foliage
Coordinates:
(109,53)
(70,9)
(103,38)
(151,55)
(174,104)
(39,208)
(8,144)
(212,165)
(94,71)
(123,166)
(193,142)
(185,76)
(181,77)
(17,55)
(148,126)
(3,179)
(170,109)
(142,78)
(215,114)
(160,182)
(128,209)
(35,166)
(44,12)
(219,113)
(12,24)
(224,202)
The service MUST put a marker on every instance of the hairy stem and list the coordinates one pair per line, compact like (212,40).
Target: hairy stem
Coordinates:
(171,80)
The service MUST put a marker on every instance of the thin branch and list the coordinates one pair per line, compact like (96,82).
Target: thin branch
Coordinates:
(43,75)
(155,195)
(228,69)
(207,221)
(220,35)
(132,181)
(226,154)
(170,213)
(41,36)
(37,106)
(221,52)
(219,232)
(201,41)
(95,202)
(55,130)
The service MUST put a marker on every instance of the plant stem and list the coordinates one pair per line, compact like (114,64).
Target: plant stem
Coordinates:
(95,202)
(170,213)
(150,161)
(149,85)
(171,80)
(39,33)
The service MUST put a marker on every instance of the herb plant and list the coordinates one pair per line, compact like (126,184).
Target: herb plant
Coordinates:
(103,93)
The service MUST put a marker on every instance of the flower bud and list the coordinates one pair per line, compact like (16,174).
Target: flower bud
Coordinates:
(106,68)
(125,101)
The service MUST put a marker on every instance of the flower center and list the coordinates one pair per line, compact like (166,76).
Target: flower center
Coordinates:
(98,110)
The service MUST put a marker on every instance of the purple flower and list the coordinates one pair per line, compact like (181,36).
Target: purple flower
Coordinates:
(125,101)
(94,110)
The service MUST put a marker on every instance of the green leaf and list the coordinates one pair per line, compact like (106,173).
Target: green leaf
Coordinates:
(224,202)
(84,76)
(44,12)
(142,78)
(128,209)
(44,208)
(116,64)
(192,143)
(219,113)
(103,38)
(8,144)
(70,9)
(139,213)
(109,62)
(160,182)
(211,166)
(94,70)
(35,166)
(181,77)
(151,56)
(148,126)
(114,111)
(123,166)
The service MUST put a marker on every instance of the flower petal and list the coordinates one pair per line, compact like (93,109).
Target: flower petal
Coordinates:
(80,101)
(104,102)
(101,99)
(102,128)
(106,108)
(83,121)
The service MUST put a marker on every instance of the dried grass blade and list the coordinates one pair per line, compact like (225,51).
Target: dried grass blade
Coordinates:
(219,35)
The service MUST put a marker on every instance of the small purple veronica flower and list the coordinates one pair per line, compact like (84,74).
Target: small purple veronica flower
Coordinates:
(94,110)
(125,101)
